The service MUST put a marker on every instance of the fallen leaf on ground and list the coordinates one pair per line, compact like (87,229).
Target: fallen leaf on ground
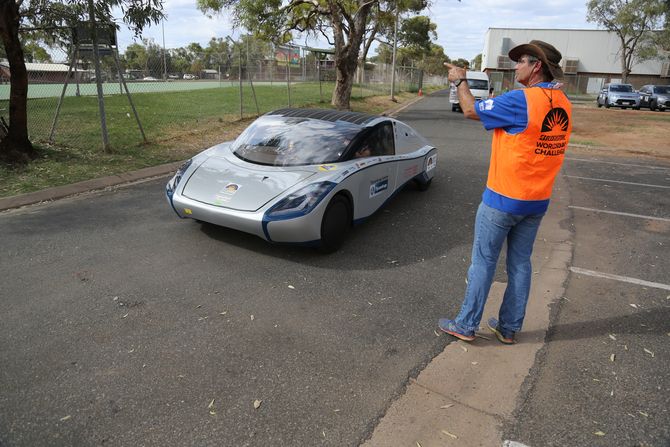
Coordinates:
(612,337)
(633,305)
(436,333)
(450,434)
(446,406)
(252,318)
(599,433)
(612,357)
(648,352)
(65,418)
(211,404)
(464,348)
(257,404)
(290,286)
(643,413)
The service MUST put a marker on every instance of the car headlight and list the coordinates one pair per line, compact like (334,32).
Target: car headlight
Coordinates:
(172,184)
(300,202)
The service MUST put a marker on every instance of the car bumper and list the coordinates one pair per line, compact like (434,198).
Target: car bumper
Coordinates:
(302,229)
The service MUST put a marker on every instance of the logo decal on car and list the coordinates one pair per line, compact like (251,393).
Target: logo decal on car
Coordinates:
(327,167)
(378,186)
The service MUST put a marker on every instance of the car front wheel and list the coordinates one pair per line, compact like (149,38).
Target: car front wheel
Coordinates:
(607,104)
(652,105)
(335,225)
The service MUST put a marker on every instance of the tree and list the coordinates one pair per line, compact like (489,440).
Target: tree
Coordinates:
(18,17)
(633,22)
(477,62)
(342,22)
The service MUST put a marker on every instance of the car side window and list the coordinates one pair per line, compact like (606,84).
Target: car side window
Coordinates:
(379,141)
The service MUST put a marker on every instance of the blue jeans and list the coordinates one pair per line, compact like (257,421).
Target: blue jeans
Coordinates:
(492,227)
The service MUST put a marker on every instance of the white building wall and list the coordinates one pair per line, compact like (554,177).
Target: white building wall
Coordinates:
(597,50)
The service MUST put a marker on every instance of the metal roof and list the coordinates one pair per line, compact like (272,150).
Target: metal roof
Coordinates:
(327,115)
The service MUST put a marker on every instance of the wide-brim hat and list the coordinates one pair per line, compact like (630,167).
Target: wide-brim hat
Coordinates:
(545,52)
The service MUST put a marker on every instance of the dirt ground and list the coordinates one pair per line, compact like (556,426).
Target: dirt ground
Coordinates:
(620,132)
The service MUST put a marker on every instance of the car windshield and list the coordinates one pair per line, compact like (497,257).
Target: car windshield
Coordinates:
(621,88)
(662,89)
(292,141)
(478,84)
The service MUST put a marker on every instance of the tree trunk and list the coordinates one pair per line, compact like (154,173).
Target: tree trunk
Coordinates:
(346,52)
(15,148)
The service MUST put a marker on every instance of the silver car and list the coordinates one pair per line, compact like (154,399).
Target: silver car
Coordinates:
(656,97)
(618,95)
(303,175)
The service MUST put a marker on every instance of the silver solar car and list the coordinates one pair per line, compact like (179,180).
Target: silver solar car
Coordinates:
(303,175)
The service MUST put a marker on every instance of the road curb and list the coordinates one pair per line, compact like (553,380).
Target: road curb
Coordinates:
(468,393)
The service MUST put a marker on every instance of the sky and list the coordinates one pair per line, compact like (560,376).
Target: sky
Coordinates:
(461,26)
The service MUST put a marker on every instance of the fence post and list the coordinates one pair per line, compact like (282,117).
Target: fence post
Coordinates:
(98,81)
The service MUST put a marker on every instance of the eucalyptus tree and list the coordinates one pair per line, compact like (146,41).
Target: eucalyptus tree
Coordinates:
(343,23)
(633,21)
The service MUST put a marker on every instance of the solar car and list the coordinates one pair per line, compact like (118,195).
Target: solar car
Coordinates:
(303,176)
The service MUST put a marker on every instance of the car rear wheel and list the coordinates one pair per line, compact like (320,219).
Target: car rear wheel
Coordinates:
(423,186)
(335,225)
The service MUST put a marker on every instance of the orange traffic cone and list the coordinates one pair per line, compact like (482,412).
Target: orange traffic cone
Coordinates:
(420,92)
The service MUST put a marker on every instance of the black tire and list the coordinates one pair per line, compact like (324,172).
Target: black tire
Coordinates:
(636,108)
(598,103)
(652,105)
(607,104)
(335,224)
(423,186)
(454,108)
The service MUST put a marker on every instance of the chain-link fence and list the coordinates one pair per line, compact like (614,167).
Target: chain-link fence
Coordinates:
(153,99)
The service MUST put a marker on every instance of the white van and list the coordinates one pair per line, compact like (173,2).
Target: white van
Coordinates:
(478,81)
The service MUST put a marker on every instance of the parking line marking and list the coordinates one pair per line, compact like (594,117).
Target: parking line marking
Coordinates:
(617,181)
(639,282)
(663,219)
(615,163)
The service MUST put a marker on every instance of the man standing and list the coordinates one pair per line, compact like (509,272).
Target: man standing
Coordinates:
(531,131)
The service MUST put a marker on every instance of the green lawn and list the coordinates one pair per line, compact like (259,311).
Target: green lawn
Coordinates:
(177,125)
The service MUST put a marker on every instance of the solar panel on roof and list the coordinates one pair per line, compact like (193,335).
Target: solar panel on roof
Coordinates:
(326,115)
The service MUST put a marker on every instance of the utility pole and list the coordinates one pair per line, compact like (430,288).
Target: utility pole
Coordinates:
(395,47)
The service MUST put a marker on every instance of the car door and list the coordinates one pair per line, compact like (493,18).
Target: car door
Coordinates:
(377,178)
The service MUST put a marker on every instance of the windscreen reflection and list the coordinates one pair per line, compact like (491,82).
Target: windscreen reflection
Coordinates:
(293,141)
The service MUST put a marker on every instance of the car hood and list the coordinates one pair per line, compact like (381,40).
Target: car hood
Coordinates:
(219,182)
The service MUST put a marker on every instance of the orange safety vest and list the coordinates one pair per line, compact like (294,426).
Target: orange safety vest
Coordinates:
(524,165)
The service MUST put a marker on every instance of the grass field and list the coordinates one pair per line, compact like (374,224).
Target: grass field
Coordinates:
(177,125)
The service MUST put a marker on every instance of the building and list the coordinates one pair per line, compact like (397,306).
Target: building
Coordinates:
(39,73)
(590,58)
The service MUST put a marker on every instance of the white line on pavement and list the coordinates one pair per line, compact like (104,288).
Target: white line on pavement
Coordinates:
(617,181)
(663,219)
(614,163)
(627,279)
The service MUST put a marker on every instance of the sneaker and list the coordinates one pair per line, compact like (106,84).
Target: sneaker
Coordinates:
(451,328)
(503,336)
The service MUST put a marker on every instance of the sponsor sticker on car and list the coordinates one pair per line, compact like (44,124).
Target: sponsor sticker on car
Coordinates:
(378,186)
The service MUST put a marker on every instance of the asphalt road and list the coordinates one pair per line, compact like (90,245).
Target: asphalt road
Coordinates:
(603,378)
(124,325)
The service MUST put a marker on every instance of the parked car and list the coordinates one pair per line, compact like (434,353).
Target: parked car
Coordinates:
(173,76)
(618,95)
(656,97)
(188,76)
(149,78)
(303,175)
